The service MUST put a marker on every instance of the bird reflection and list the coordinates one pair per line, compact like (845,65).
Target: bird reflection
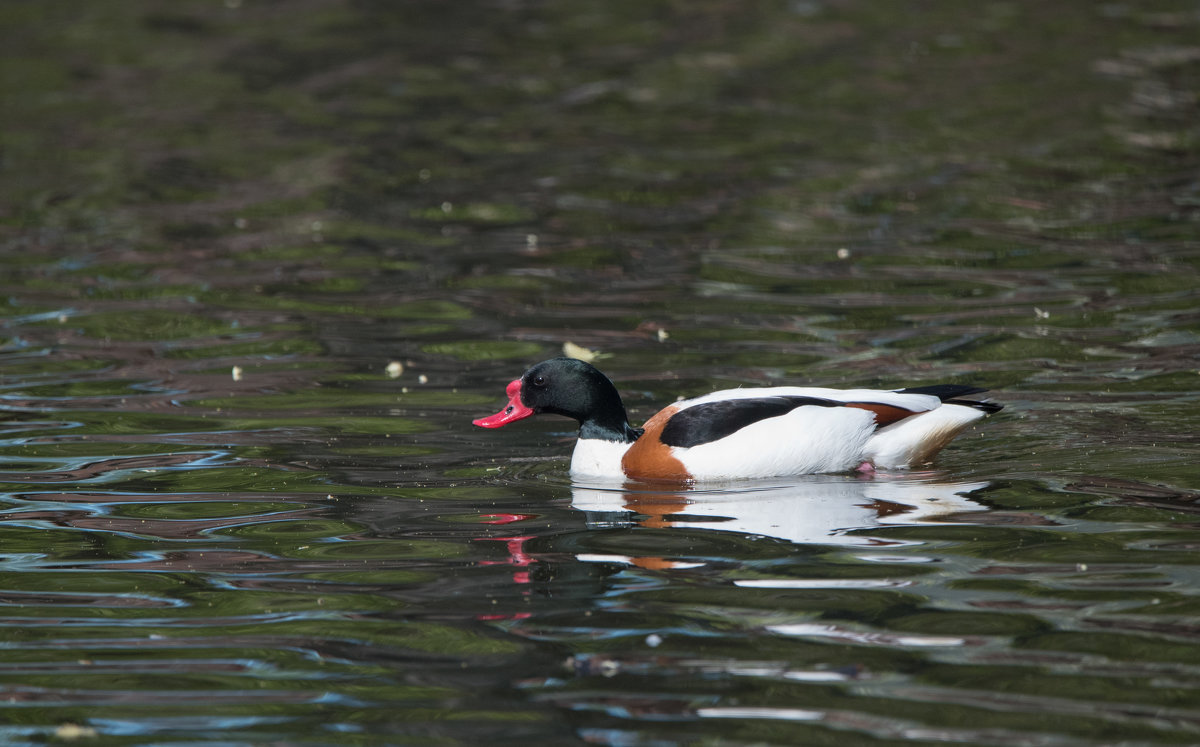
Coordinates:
(821,509)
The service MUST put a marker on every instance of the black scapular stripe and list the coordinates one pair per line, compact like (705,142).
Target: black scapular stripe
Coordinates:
(712,421)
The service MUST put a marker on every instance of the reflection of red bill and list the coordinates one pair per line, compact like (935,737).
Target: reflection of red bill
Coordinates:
(514,411)
(505,518)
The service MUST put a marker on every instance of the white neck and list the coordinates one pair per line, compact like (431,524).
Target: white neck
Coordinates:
(594,457)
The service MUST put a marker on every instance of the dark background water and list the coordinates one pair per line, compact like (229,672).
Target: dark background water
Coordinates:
(222,521)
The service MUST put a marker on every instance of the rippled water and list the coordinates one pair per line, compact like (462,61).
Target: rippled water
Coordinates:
(225,520)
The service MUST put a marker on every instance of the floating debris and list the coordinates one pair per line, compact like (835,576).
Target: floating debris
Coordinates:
(236,373)
(394,369)
(571,350)
(71,731)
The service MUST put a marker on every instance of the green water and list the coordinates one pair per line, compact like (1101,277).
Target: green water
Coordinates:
(222,521)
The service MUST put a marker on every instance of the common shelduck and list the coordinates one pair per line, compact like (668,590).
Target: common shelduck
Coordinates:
(742,433)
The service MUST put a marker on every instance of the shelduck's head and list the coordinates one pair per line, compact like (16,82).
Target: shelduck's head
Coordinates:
(561,386)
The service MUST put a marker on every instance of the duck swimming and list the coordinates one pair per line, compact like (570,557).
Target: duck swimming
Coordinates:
(742,433)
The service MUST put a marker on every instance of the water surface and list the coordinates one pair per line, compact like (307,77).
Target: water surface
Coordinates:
(225,519)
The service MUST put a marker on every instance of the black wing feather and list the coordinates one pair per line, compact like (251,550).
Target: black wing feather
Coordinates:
(712,421)
(949,393)
(943,391)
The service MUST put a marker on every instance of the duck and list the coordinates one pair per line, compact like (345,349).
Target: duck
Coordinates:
(745,433)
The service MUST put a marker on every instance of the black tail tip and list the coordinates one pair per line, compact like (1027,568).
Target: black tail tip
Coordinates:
(944,391)
(988,408)
(950,393)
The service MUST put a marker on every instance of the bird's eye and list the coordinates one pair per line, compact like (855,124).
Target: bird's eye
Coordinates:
(539,381)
